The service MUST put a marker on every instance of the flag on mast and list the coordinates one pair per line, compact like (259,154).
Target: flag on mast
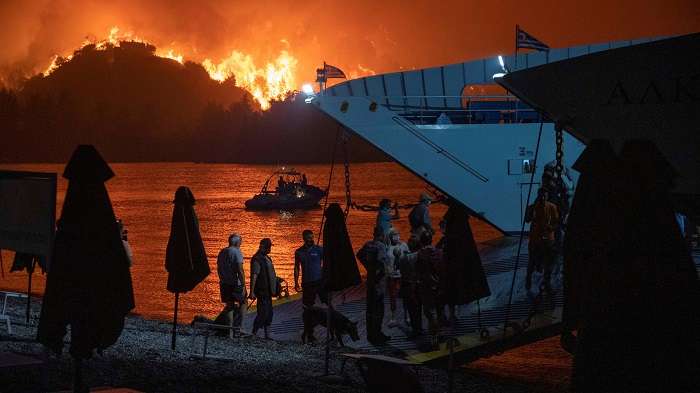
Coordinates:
(525,40)
(327,72)
(333,72)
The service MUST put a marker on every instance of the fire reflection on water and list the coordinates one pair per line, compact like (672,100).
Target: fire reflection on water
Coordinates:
(142,196)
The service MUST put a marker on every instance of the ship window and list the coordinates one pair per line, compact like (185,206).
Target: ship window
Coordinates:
(520,166)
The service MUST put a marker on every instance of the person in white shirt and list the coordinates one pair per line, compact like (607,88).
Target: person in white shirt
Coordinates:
(395,251)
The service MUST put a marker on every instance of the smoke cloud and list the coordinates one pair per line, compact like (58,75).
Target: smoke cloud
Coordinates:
(360,37)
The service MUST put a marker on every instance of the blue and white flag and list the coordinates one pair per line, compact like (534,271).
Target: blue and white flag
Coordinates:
(333,72)
(524,39)
(327,72)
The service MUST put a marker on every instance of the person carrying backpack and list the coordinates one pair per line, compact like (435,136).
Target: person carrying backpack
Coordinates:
(373,256)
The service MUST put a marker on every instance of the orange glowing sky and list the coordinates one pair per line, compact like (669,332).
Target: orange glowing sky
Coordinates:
(360,37)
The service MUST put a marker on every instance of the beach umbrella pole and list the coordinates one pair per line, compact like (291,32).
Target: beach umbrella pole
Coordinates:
(29,295)
(172,344)
(78,376)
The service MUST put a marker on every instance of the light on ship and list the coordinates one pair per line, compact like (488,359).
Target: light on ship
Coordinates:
(307,89)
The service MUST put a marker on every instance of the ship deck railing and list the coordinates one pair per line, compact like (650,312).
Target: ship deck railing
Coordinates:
(481,109)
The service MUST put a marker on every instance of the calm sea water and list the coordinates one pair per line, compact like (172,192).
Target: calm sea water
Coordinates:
(142,197)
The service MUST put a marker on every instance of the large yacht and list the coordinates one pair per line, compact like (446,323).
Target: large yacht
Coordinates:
(457,129)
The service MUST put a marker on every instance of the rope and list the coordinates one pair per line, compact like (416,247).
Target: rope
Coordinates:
(328,187)
(374,208)
(522,233)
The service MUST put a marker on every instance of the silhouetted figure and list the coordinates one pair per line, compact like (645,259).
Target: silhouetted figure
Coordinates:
(185,257)
(124,233)
(263,285)
(463,280)
(88,285)
(304,180)
(373,255)
(281,185)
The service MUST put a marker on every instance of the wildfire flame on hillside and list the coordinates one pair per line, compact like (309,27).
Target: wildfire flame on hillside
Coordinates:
(272,82)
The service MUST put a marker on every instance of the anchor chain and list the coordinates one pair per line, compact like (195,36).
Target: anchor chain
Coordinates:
(559,168)
(437,197)
(348,196)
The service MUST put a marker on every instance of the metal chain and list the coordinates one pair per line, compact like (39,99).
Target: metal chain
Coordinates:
(348,197)
(559,168)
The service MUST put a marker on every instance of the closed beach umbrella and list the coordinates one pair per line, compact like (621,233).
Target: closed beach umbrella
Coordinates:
(587,243)
(465,280)
(185,257)
(339,265)
(89,284)
(657,292)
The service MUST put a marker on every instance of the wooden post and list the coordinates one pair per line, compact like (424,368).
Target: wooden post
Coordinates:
(78,376)
(328,331)
(29,295)
(172,344)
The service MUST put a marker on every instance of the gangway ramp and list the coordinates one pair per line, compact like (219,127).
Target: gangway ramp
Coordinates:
(499,263)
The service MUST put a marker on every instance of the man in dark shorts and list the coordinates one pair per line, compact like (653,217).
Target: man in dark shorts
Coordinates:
(232,280)
(307,260)
(544,218)
(263,282)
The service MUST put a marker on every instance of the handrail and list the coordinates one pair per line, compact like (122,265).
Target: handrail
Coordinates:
(438,149)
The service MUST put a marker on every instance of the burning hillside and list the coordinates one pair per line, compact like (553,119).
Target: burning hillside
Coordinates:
(272,82)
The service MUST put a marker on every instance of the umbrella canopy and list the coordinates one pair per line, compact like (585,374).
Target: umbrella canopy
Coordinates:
(185,257)
(89,284)
(587,243)
(339,266)
(464,279)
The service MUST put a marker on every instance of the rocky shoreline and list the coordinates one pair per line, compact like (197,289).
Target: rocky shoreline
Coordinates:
(142,360)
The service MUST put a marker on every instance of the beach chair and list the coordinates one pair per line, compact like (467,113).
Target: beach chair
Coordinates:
(3,314)
(385,374)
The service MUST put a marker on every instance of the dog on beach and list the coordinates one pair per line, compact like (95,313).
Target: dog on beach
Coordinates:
(340,324)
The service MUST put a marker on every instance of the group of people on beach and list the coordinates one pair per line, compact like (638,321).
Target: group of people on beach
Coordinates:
(410,271)
(232,283)
(414,271)
(264,282)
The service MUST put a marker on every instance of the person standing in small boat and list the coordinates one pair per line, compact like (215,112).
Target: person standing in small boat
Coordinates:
(263,282)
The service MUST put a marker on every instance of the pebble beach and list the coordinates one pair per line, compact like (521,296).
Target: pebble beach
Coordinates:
(142,360)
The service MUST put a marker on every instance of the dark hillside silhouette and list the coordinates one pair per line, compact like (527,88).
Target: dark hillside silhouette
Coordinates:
(135,106)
